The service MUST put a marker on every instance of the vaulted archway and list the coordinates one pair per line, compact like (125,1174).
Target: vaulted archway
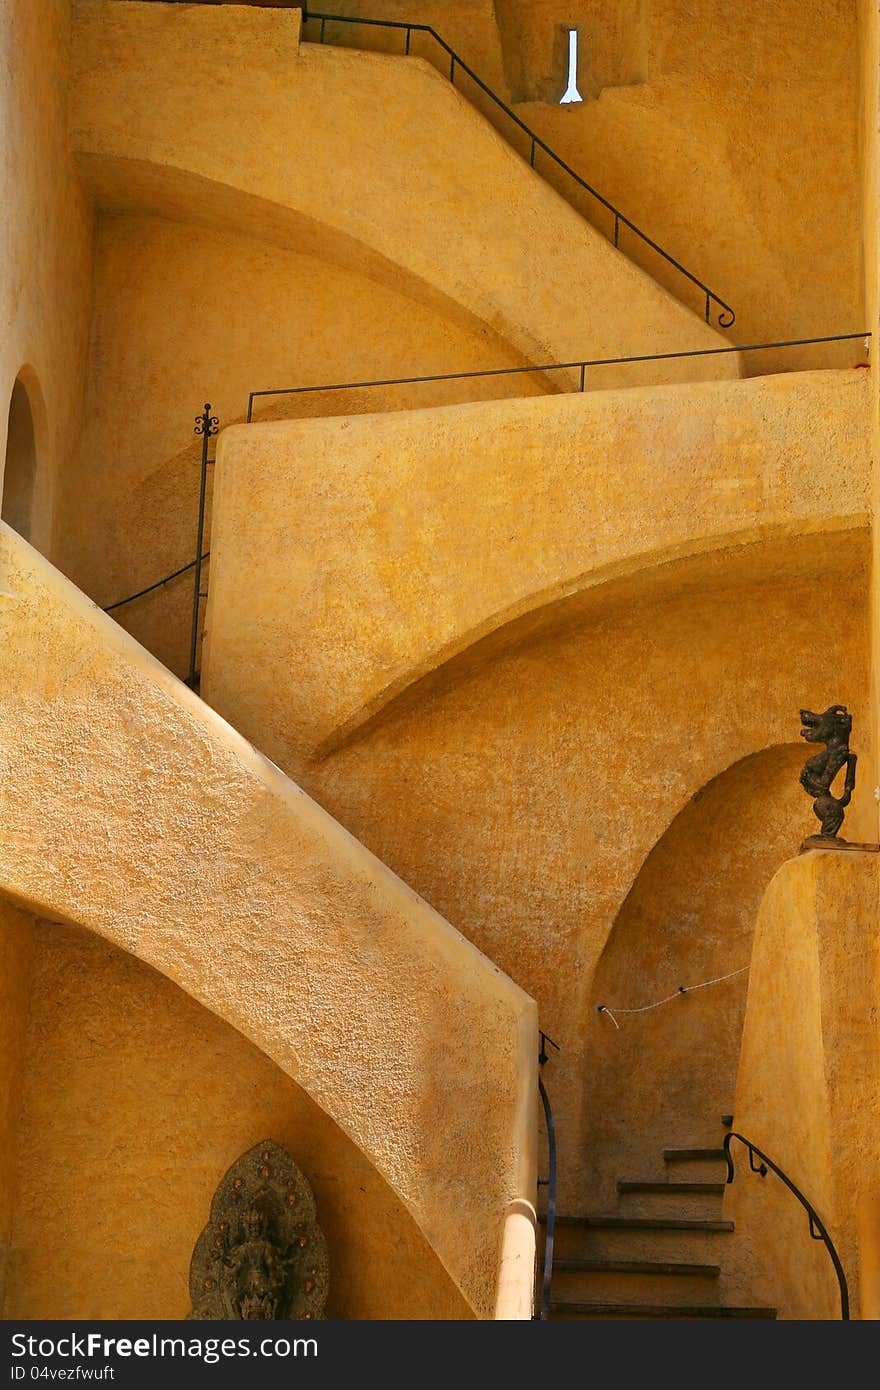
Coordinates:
(663,1078)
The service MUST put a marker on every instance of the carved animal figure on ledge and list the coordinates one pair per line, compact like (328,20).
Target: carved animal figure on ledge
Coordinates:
(832,728)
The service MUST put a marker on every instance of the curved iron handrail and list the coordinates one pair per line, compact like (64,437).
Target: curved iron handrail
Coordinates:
(175,574)
(818,1230)
(726,314)
(549,1182)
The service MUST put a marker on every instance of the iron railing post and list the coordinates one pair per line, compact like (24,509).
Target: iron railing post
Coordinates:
(549,1183)
(206,425)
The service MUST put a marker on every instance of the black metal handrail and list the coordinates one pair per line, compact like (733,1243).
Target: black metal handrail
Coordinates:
(159,584)
(206,421)
(206,427)
(726,315)
(580,365)
(818,1230)
(549,1182)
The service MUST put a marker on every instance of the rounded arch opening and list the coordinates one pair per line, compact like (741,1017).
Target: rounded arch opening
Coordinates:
(23,455)
(664,1078)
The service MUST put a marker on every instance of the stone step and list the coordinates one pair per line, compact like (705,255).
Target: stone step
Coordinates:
(670,1267)
(674,1189)
(695,1163)
(612,1221)
(680,1198)
(693,1155)
(669,1238)
(564,1308)
(594,1280)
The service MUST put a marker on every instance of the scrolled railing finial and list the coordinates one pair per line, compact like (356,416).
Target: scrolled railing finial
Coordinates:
(206,423)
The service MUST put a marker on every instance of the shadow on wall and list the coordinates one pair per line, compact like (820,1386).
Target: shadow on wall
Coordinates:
(20,469)
(137,1099)
(665,1077)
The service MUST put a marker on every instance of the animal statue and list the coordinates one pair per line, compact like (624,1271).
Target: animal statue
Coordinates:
(832,728)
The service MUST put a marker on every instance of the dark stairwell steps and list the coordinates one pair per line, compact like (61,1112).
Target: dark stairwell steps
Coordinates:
(560,1308)
(643,1223)
(671,1267)
(701,1189)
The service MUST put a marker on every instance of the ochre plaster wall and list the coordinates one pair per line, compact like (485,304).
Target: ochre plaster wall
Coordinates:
(869,148)
(808,1082)
(138,813)
(135,1100)
(749,111)
(45,244)
(353,556)
(184,314)
(376,161)
(16,951)
(728,132)
(522,786)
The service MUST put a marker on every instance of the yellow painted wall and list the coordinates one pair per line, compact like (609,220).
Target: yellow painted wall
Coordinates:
(184,314)
(441,526)
(490,656)
(16,949)
(522,788)
(523,793)
(869,149)
(373,160)
(135,1101)
(45,235)
(728,132)
(808,1082)
(135,811)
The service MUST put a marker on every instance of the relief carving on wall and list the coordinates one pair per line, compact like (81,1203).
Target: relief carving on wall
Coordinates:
(262,1254)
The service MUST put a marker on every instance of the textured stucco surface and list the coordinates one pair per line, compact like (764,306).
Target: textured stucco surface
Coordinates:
(869,151)
(433,197)
(522,787)
(808,1081)
(45,244)
(136,812)
(165,338)
(352,556)
(727,131)
(134,1101)
(16,951)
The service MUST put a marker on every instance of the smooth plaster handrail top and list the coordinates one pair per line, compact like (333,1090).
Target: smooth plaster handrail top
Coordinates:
(136,811)
(361,150)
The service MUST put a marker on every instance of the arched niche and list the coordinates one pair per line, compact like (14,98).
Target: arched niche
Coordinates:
(23,455)
(131,1100)
(665,1077)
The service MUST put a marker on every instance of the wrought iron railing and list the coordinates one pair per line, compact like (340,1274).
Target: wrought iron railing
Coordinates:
(549,1182)
(454,64)
(580,366)
(818,1230)
(206,426)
